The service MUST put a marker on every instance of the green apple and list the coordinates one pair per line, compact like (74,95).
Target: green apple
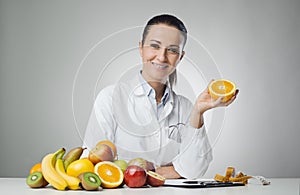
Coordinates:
(122,164)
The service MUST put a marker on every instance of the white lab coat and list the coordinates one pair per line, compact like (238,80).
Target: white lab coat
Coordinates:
(123,114)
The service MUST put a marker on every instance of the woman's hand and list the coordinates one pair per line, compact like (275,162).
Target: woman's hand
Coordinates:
(168,172)
(205,102)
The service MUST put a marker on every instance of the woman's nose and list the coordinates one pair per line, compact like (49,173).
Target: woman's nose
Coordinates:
(162,54)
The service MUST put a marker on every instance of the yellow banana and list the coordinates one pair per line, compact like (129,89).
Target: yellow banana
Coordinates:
(49,172)
(73,182)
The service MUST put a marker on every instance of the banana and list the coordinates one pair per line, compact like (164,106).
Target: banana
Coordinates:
(49,172)
(72,155)
(73,182)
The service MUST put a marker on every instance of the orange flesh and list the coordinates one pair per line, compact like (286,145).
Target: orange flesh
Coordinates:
(222,87)
(108,173)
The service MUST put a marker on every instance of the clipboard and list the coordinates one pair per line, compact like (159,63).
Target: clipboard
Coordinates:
(185,183)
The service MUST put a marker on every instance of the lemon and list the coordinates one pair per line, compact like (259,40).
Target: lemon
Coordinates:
(80,166)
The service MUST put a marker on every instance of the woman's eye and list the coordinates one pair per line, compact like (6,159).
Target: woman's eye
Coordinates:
(173,50)
(155,46)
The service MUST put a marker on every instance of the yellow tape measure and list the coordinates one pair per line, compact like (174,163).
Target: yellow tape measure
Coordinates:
(230,176)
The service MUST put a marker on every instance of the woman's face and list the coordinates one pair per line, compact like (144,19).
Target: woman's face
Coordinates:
(161,52)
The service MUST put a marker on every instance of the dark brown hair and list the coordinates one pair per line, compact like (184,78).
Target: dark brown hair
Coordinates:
(168,20)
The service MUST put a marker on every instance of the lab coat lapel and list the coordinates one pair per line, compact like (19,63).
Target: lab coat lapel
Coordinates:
(168,107)
(141,105)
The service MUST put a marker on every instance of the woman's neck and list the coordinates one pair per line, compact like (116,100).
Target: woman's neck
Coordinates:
(159,89)
(158,86)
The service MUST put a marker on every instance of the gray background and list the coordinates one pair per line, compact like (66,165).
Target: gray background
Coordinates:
(255,43)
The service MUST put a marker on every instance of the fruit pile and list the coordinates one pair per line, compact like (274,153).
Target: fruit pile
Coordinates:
(99,170)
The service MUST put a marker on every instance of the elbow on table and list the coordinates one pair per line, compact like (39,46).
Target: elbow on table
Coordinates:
(192,170)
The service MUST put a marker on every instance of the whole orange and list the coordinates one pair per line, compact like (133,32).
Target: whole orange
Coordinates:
(36,167)
(80,166)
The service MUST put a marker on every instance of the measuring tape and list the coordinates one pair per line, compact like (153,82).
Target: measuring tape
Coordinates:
(240,177)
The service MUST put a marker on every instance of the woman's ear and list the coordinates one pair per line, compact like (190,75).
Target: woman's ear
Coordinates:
(141,48)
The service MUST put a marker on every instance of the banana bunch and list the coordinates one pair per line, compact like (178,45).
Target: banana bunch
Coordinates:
(54,169)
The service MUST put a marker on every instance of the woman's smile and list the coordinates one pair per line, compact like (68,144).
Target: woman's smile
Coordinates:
(160,66)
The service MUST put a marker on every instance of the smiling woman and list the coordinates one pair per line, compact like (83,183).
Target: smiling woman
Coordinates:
(161,52)
(139,114)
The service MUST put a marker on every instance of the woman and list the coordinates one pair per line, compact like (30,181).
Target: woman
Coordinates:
(145,118)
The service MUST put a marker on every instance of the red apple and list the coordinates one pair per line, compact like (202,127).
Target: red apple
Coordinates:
(100,153)
(135,176)
(154,179)
(147,165)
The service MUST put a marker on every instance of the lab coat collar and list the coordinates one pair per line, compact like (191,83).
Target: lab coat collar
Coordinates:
(135,87)
(137,82)
(139,91)
(150,92)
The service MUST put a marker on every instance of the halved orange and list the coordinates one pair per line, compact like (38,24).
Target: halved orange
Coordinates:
(110,174)
(111,145)
(222,88)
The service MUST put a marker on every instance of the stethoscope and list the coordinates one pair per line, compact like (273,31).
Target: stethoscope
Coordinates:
(176,125)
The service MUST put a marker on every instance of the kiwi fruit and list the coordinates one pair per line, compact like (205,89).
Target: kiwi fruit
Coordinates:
(36,180)
(90,181)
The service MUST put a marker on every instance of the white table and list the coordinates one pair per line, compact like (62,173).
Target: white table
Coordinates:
(283,186)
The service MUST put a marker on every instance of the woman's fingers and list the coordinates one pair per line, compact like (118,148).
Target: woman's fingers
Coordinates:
(219,103)
(233,98)
(236,92)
